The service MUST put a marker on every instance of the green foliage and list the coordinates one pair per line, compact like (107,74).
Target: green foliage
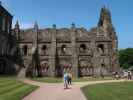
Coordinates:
(126,58)
(109,91)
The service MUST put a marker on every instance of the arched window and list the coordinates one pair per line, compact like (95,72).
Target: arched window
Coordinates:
(44,48)
(63,48)
(100,48)
(25,49)
(102,65)
(82,48)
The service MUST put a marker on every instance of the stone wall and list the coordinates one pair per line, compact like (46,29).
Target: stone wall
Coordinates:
(77,50)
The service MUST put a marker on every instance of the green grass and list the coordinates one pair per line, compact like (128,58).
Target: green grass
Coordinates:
(59,80)
(109,91)
(12,89)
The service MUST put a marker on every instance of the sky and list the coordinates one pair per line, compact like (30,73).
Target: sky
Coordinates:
(84,13)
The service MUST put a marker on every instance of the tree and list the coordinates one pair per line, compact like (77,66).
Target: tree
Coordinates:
(126,58)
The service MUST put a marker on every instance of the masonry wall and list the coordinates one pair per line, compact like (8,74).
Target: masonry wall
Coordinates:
(65,50)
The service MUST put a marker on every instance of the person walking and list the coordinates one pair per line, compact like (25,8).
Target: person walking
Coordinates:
(129,75)
(69,79)
(65,78)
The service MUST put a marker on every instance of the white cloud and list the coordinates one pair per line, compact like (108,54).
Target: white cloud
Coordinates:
(26,25)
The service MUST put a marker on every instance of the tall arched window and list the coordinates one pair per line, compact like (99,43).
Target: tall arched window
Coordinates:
(100,48)
(63,48)
(44,48)
(25,49)
(82,48)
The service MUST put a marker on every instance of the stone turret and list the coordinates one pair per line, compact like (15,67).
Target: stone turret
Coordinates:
(73,25)
(35,26)
(17,25)
(35,38)
(17,30)
(105,20)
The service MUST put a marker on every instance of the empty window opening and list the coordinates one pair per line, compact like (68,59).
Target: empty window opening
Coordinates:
(82,47)
(63,48)
(101,48)
(25,49)
(102,65)
(44,48)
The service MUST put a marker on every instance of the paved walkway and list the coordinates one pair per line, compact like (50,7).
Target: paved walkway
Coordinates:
(55,91)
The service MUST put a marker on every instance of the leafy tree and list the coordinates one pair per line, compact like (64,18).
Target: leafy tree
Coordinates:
(126,58)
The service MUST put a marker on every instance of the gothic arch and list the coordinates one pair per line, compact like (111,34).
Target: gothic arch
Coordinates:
(63,48)
(25,49)
(100,48)
(82,47)
(44,48)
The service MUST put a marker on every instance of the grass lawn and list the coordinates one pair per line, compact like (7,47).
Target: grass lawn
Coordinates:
(12,89)
(109,91)
(59,80)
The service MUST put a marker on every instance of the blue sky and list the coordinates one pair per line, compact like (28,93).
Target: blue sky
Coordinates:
(84,13)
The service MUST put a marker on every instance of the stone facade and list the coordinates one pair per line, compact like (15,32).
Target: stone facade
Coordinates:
(82,52)
(9,60)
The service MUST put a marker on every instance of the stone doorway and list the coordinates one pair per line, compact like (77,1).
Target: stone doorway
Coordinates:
(44,68)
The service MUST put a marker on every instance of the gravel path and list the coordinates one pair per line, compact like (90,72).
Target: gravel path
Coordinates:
(56,91)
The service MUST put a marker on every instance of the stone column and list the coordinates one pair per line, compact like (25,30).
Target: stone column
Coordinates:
(74,52)
(115,62)
(53,51)
(95,55)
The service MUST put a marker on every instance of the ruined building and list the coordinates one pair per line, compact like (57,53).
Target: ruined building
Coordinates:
(53,51)
(82,52)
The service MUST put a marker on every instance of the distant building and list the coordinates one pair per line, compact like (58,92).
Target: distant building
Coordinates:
(77,50)
(8,44)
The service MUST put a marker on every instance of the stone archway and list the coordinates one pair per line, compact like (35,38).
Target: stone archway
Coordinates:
(44,68)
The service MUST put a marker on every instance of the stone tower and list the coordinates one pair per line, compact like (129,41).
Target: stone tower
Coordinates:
(105,22)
